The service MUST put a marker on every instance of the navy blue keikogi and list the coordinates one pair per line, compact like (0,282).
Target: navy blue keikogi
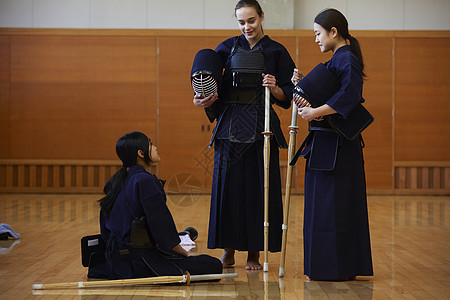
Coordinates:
(237,196)
(143,195)
(336,227)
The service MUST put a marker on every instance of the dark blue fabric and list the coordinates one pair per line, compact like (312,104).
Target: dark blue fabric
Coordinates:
(7,231)
(278,63)
(323,151)
(318,86)
(336,227)
(237,205)
(237,195)
(346,67)
(142,195)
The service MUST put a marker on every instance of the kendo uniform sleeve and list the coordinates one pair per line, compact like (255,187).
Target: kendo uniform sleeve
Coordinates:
(347,69)
(279,64)
(224,48)
(159,218)
(283,74)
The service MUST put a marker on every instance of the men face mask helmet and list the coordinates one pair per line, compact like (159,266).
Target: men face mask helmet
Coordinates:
(298,97)
(316,87)
(206,72)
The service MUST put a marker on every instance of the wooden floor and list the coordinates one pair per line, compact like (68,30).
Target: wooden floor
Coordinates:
(410,245)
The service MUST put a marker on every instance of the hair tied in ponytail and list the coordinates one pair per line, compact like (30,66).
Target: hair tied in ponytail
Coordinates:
(330,18)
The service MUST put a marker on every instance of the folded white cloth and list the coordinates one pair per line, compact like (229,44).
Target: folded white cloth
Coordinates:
(186,242)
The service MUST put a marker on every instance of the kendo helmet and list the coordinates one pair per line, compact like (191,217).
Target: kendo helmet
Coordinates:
(206,72)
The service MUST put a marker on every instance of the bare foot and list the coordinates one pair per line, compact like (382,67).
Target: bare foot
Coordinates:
(253,261)
(227,258)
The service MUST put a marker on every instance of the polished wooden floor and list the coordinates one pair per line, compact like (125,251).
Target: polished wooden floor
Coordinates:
(410,244)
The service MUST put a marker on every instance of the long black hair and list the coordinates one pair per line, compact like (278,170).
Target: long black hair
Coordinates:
(126,148)
(330,18)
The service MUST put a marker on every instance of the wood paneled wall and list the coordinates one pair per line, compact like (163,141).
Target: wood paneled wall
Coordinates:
(69,94)
(55,176)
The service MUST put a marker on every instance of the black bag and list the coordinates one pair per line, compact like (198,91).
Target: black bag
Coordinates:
(89,245)
(93,256)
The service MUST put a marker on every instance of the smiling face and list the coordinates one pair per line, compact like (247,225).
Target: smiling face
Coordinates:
(325,39)
(250,24)
(328,40)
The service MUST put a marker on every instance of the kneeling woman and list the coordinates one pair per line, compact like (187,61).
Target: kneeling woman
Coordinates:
(134,194)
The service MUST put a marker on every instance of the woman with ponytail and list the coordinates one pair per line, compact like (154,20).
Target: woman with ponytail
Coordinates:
(135,203)
(336,228)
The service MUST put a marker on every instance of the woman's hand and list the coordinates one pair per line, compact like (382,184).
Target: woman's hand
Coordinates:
(271,82)
(200,101)
(297,76)
(309,113)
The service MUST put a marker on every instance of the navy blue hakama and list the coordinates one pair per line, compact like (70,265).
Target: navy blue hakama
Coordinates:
(336,228)
(237,205)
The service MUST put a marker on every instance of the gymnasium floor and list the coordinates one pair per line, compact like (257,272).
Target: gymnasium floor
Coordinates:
(410,247)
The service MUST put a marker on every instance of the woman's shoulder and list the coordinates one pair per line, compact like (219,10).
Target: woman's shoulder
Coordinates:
(344,56)
(273,47)
(267,41)
(146,183)
(228,43)
(343,60)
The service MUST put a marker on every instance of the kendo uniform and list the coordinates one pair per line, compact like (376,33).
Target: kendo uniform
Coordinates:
(143,195)
(237,205)
(336,228)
